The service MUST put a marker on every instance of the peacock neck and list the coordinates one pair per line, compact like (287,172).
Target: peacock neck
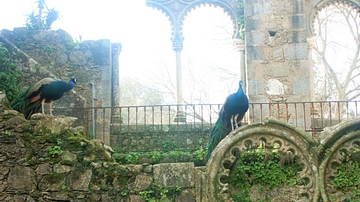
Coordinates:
(240,90)
(70,85)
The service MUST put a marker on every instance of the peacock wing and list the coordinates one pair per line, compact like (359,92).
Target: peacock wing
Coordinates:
(34,93)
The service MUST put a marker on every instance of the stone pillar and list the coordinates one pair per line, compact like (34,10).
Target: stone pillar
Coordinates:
(103,60)
(277,54)
(277,57)
(116,119)
(240,46)
(177,47)
(311,44)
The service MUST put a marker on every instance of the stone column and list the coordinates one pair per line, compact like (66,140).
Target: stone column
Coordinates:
(240,46)
(277,51)
(311,44)
(177,47)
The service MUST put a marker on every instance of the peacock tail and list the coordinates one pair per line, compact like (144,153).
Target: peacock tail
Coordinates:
(219,132)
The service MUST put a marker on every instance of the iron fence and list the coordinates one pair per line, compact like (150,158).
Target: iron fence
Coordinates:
(188,127)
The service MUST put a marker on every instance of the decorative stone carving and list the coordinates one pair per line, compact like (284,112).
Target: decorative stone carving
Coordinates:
(272,132)
(319,157)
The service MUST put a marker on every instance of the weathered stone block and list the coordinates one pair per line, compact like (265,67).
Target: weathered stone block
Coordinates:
(298,22)
(174,174)
(53,182)
(298,37)
(79,181)
(186,195)
(255,53)
(277,70)
(296,51)
(256,86)
(142,182)
(298,7)
(43,169)
(21,179)
(256,38)
(301,86)
(251,25)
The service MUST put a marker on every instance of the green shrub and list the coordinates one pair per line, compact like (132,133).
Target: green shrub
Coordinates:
(9,76)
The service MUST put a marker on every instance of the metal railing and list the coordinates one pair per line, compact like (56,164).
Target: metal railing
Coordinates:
(188,127)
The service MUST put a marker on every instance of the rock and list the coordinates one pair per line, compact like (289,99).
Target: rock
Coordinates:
(142,182)
(3,100)
(62,168)
(21,179)
(53,182)
(174,174)
(68,157)
(79,180)
(56,124)
(43,169)
(136,198)
(186,195)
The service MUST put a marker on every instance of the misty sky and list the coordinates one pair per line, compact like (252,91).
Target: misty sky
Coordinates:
(145,35)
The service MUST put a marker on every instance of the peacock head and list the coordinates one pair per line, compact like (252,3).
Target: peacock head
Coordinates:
(240,83)
(73,80)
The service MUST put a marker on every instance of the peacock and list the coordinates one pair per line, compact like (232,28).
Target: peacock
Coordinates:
(230,116)
(45,91)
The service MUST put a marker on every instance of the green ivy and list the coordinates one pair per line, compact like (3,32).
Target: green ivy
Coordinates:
(263,168)
(348,175)
(55,151)
(198,156)
(9,76)
(156,193)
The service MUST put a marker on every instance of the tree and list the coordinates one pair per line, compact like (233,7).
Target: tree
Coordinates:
(134,93)
(336,53)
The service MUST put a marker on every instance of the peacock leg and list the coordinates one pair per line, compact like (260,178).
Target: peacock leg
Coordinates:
(232,122)
(42,106)
(235,120)
(50,103)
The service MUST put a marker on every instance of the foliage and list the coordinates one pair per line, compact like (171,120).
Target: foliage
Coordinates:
(263,168)
(241,22)
(155,193)
(38,21)
(56,150)
(348,175)
(197,156)
(9,76)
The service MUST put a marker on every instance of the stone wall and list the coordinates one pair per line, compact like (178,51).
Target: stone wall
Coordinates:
(54,53)
(277,51)
(277,54)
(46,159)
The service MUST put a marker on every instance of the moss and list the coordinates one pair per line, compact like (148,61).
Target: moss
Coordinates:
(54,177)
(112,177)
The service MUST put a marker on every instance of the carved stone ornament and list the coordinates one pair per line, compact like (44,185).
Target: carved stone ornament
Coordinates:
(318,158)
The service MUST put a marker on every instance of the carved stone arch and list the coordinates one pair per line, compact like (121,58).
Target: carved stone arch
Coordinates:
(336,140)
(318,5)
(176,11)
(290,139)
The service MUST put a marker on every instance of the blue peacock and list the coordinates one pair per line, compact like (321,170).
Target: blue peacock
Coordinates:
(45,91)
(230,117)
